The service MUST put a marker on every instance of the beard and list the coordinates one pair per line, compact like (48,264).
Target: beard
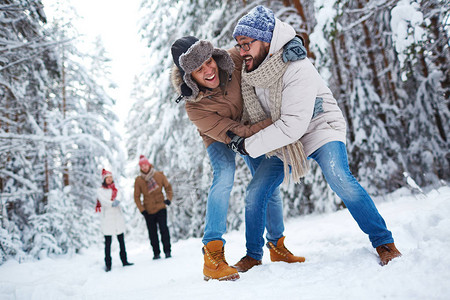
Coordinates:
(258,59)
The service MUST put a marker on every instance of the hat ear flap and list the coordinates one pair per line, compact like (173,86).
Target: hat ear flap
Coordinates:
(179,84)
(223,60)
(190,87)
(185,90)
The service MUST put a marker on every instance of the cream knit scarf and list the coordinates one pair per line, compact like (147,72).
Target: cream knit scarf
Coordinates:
(269,75)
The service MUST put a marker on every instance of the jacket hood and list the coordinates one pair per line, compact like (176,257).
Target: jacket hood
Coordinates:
(282,34)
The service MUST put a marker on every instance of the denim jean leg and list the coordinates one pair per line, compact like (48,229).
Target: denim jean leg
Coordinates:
(274,217)
(266,179)
(332,159)
(274,214)
(223,164)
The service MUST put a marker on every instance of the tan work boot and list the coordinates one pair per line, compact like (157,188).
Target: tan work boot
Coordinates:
(387,252)
(246,263)
(281,253)
(215,266)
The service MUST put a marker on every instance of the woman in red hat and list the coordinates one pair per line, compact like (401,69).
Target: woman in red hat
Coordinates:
(113,222)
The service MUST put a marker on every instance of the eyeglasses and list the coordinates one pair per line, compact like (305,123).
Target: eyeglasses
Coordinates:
(245,46)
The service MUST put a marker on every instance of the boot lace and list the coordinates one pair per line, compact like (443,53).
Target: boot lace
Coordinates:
(386,248)
(218,256)
(280,249)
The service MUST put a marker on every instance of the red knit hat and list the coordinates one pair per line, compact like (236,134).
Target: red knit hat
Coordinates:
(105,174)
(143,161)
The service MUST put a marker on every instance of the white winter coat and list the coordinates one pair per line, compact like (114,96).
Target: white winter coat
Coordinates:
(302,84)
(113,222)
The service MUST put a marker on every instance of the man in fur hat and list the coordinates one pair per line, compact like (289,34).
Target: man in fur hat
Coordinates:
(209,80)
(307,122)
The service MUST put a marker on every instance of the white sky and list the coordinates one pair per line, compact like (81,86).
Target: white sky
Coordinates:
(116,23)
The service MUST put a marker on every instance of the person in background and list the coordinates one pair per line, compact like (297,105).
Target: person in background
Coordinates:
(150,184)
(209,80)
(112,222)
(307,122)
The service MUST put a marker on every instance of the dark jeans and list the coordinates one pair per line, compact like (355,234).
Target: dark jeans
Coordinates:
(153,222)
(123,252)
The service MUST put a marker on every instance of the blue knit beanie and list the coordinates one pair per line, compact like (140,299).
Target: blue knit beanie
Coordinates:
(257,24)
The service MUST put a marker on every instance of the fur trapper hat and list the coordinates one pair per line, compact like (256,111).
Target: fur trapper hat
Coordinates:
(188,54)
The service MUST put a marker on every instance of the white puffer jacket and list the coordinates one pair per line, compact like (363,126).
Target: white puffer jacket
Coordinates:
(302,84)
(113,222)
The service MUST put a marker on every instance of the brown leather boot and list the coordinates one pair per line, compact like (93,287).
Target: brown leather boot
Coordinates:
(215,266)
(387,252)
(281,253)
(246,263)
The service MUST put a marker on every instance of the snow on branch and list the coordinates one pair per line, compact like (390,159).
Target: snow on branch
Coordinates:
(20,179)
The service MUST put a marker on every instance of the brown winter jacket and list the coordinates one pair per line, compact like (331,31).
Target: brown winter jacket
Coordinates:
(154,201)
(216,111)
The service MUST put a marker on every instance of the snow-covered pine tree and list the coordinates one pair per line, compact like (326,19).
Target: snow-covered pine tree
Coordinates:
(56,130)
(421,41)
(352,46)
(379,57)
(89,122)
(27,67)
(83,124)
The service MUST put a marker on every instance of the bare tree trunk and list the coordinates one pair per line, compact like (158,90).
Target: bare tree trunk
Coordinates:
(65,162)
(390,82)
(342,91)
(371,54)
(46,175)
(301,12)
(442,54)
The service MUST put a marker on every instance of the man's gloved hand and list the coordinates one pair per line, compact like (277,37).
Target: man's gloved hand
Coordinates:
(237,143)
(144,213)
(115,203)
(167,202)
(294,50)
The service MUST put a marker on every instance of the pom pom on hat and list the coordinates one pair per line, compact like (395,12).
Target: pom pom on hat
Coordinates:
(143,161)
(257,24)
(105,174)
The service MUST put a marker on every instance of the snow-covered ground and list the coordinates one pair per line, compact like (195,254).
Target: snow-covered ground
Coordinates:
(340,264)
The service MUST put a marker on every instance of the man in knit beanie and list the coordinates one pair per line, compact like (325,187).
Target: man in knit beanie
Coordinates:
(307,124)
(258,26)
(152,205)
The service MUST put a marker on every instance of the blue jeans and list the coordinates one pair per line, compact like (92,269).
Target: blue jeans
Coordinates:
(223,163)
(332,159)
(263,205)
